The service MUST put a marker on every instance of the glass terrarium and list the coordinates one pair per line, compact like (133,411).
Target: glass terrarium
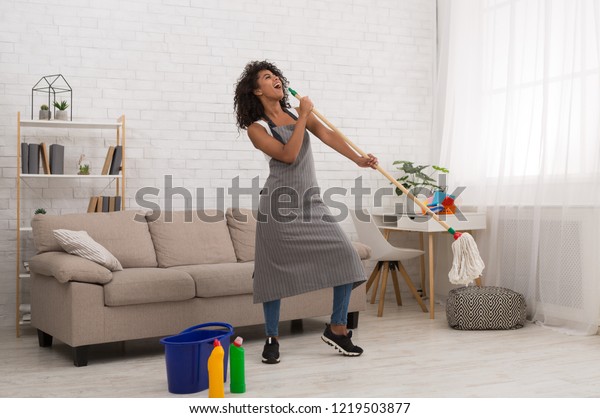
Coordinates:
(50,86)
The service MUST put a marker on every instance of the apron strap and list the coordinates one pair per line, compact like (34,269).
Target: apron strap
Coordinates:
(272,125)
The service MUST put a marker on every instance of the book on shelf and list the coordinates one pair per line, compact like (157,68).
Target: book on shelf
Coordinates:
(33,166)
(114,204)
(93,203)
(117,159)
(57,159)
(117,206)
(45,158)
(108,160)
(24,158)
(98,204)
(104,204)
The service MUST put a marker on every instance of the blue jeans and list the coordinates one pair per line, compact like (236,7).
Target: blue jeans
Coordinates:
(339,314)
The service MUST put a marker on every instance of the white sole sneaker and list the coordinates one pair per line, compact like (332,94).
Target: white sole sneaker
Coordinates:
(338,348)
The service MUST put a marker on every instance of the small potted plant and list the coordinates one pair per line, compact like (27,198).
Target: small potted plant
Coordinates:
(45,113)
(83,166)
(40,211)
(419,181)
(419,178)
(61,110)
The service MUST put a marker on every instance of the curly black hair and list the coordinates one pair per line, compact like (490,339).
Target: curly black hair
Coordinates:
(248,108)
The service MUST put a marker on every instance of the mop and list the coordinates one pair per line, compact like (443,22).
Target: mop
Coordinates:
(467,264)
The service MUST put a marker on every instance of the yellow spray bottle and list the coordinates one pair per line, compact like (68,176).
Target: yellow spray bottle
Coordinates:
(216,385)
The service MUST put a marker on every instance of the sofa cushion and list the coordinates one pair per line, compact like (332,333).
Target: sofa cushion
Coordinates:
(183,238)
(79,243)
(148,285)
(242,228)
(69,268)
(122,233)
(225,279)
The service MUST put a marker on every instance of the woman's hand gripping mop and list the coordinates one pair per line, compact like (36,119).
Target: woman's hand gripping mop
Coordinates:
(467,264)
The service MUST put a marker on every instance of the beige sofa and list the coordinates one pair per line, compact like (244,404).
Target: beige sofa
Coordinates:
(176,273)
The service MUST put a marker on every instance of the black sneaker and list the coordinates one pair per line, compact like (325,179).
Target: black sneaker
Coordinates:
(342,343)
(270,354)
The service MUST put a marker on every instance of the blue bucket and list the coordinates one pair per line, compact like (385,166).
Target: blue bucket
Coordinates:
(187,355)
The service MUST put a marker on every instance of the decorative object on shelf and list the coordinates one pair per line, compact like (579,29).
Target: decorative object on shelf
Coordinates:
(61,110)
(40,211)
(45,113)
(53,84)
(83,166)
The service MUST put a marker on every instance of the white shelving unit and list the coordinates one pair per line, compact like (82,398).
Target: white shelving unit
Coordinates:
(23,311)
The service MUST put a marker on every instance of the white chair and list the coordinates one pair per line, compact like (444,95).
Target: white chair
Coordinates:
(387,256)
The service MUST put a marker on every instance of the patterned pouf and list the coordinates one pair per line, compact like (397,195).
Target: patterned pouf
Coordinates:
(485,308)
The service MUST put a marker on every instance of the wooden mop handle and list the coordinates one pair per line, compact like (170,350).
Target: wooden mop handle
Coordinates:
(378,167)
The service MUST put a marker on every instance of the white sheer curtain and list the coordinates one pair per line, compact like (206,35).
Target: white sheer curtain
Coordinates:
(518,123)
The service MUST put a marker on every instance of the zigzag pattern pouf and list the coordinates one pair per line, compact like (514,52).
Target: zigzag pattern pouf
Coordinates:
(485,308)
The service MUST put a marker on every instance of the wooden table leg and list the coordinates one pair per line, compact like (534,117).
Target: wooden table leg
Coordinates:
(431,277)
(422,258)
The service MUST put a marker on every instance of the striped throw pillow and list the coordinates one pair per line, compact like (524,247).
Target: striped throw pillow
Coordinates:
(81,244)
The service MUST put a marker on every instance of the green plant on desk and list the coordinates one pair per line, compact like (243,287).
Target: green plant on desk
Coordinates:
(419,178)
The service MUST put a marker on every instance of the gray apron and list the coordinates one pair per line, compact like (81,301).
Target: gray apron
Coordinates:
(299,246)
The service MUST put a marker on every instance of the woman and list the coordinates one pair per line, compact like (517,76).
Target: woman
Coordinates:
(299,248)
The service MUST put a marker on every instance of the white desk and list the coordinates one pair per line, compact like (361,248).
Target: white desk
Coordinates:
(389,221)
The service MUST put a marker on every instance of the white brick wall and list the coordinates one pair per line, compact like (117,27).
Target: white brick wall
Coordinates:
(170,66)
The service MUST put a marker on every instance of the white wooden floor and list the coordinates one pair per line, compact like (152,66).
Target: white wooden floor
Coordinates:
(406,355)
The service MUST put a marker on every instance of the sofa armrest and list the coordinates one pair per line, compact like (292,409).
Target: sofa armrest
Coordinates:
(69,268)
(364,251)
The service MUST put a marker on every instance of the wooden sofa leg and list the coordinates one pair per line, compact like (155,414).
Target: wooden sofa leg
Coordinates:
(80,356)
(352,320)
(44,340)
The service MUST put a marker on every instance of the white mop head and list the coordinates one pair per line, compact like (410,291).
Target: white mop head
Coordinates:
(467,264)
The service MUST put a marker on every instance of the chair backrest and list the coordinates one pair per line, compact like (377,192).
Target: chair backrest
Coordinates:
(369,233)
